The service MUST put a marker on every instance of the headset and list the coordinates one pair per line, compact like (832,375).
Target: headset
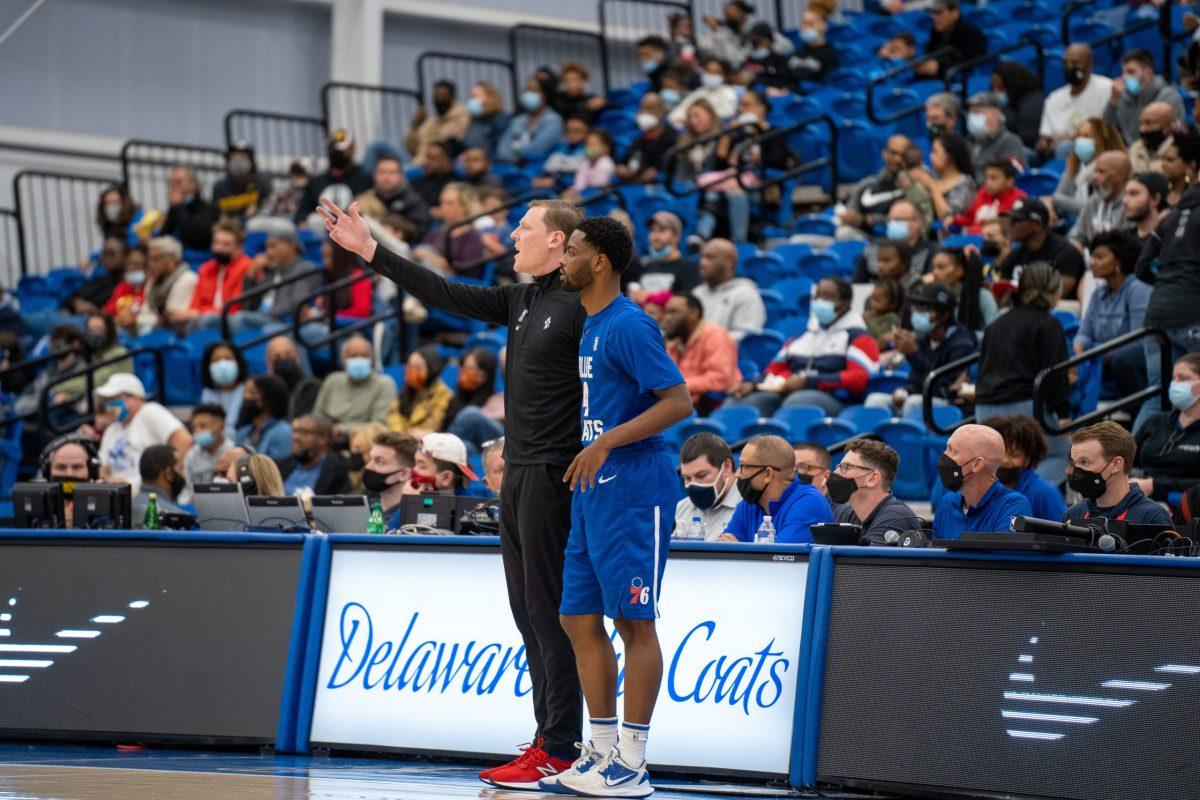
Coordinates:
(906,538)
(89,447)
(244,478)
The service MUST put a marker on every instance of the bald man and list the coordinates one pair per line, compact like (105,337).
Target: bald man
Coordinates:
(1085,96)
(1154,137)
(731,302)
(1105,207)
(766,479)
(975,500)
(871,197)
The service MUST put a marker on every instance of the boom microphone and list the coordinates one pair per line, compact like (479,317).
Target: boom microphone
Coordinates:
(1046,527)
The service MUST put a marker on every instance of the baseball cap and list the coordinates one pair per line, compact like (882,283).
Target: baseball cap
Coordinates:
(449,448)
(667,219)
(1030,210)
(985,100)
(341,139)
(121,383)
(760,30)
(933,294)
(943,5)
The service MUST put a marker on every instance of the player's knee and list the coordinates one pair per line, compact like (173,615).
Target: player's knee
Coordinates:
(636,631)
(581,627)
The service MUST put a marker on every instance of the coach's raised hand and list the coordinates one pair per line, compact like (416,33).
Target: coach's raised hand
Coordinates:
(348,229)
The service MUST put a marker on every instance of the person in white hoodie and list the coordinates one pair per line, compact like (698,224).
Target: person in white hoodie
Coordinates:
(715,88)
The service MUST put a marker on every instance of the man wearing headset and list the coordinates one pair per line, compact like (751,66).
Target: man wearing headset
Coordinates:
(69,461)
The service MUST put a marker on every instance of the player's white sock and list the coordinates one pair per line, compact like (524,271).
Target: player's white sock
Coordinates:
(604,733)
(632,744)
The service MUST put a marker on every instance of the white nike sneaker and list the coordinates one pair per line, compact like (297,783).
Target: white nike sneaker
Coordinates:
(589,757)
(611,777)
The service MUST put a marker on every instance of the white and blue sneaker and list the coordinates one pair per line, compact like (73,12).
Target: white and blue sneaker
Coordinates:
(588,758)
(611,777)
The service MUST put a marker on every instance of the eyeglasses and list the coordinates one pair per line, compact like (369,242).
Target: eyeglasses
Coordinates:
(844,468)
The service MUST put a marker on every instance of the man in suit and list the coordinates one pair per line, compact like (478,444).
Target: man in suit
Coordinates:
(312,464)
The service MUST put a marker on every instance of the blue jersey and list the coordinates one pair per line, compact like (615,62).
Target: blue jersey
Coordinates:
(622,362)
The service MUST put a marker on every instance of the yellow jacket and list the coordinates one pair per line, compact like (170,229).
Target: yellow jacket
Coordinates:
(427,412)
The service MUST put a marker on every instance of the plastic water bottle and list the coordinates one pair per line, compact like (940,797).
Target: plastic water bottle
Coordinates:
(150,518)
(695,529)
(766,531)
(375,521)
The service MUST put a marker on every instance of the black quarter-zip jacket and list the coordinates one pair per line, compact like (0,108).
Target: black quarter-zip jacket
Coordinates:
(543,393)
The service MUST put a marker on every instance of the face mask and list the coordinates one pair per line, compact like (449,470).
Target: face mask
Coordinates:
(359,369)
(470,379)
(809,36)
(976,124)
(1132,85)
(711,81)
(288,369)
(703,495)
(223,372)
(748,118)
(760,53)
(250,410)
(897,230)
(112,211)
(96,341)
(1075,76)
(659,253)
(356,462)
(1153,140)
(749,494)
(1003,98)
(1181,395)
(646,122)
(1091,485)
(935,130)
(840,487)
(67,484)
(1008,475)
(376,482)
(419,482)
(223,258)
(1085,148)
(593,153)
(949,473)
(239,166)
(804,478)
(670,97)
(338,159)
(922,323)
(204,438)
(119,409)
(650,66)
(177,484)
(475,106)
(135,278)
(441,106)
(823,311)
(990,249)
(415,378)
(531,100)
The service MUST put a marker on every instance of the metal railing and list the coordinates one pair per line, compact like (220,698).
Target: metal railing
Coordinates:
(56,218)
(10,249)
(329,291)
(146,167)
(673,156)
(1163,23)
(927,392)
(88,371)
(884,77)
(964,69)
(370,112)
(1129,401)
(533,46)
(1169,38)
(464,71)
(622,23)
(776,176)
(1116,41)
(255,292)
(278,139)
(33,364)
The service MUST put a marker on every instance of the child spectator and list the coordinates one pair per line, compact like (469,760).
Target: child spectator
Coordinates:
(883,311)
(997,196)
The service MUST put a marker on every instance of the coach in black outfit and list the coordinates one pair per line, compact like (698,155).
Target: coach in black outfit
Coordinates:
(542,402)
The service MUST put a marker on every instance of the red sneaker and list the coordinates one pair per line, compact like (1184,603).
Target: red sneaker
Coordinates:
(534,765)
(487,773)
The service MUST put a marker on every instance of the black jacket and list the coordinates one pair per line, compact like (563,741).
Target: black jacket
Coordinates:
(334,477)
(543,394)
(1016,347)
(815,61)
(1055,250)
(191,223)
(1169,454)
(959,342)
(966,41)
(1024,116)
(354,178)
(1170,262)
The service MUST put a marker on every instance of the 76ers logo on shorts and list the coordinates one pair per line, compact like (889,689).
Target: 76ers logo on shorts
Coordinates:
(639,595)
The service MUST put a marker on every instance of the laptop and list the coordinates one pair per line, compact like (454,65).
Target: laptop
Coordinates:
(279,513)
(340,513)
(220,506)
(435,511)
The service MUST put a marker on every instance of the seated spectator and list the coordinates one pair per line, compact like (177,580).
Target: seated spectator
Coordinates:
(775,67)
(221,278)
(1102,456)
(862,488)
(170,284)
(1117,307)
(357,394)
(1024,449)
(904,232)
(162,478)
(441,465)
(388,473)
(104,347)
(437,165)
(696,152)
(477,169)
(454,248)
(67,463)
(942,111)
(962,272)
(424,400)
(996,196)
(1181,164)
(1137,88)
(347,304)
(559,170)
(283,360)
(1146,203)
(714,89)
(343,181)
(284,201)
(729,301)
(101,283)
(243,191)
(532,133)
(449,121)
(263,422)
(951,185)
(706,465)
(936,339)
(766,480)
(360,448)
(900,48)
(488,120)
(665,268)
(78,348)
(392,194)
(280,261)
(872,197)
(466,417)
(190,217)
(1168,444)
(222,373)
(117,215)
(598,167)
(128,296)
(950,30)
(828,366)
(817,56)
(1083,98)
(572,97)
(1155,125)
(209,441)
(1093,136)
(705,353)
(258,474)
(313,465)
(997,242)
(225,468)
(651,52)
(645,157)
(975,501)
(131,424)
(1023,98)
(882,312)
(1104,210)
(493,466)
(682,38)
(990,140)
(729,38)
(1035,241)
(812,465)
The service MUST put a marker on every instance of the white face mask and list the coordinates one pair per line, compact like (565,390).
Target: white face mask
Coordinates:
(646,122)
(710,80)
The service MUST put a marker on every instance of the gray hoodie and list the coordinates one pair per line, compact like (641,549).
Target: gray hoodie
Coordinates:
(1126,112)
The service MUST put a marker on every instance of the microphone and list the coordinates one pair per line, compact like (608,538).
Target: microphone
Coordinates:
(1022,524)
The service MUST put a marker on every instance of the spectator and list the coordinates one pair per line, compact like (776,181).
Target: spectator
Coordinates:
(281,261)
(882,313)
(1036,242)
(1155,124)
(388,473)
(437,164)
(559,169)
(190,217)
(284,202)
(1083,98)
(1180,163)
(900,48)
(67,464)
(356,394)
(68,341)
(714,89)
(766,480)
(665,268)
(424,400)
(221,278)
(1102,456)
(1024,449)
(572,97)
(343,181)
(952,185)
(646,156)
(243,191)
(772,64)
(131,424)
(117,215)
(312,464)
(532,133)
(456,247)
(895,262)
(872,197)
(391,193)
(222,373)
(259,470)
(283,360)
(441,465)
(696,151)
(942,110)
(477,169)
(598,167)
(950,30)
(905,226)
(1137,88)
(1117,307)
(488,120)
(1021,93)
(1104,210)
(812,465)
(100,285)
(817,56)
(127,297)
(1094,136)
(827,366)
(683,38)
(990,141)
(350,303)
(170,285)
(706,465)
(263,422)
(651,52)
(729,37)
(493,466)
(360,448)
(103,347)
(997,241)
(862,488)
(225,468)
(449,121)
(732,303)
(976,501)
(160,467)
(1146,202)
(705,353)
(466,417)
(1168,444)
(209,441)
(997,196)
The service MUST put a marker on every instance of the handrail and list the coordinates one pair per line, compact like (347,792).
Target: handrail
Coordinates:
(274,115)
(671,157)
(88,371)
(341,333)
(43,359)
(958,365)
(258,291)
(1135,399)
(1065,23)
(327,291)
(534,194)
(513,50)
(901,69)
(830,161)
(964,69)
(497,62)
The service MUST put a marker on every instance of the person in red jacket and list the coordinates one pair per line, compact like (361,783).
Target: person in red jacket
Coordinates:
(997,196)
(221,277)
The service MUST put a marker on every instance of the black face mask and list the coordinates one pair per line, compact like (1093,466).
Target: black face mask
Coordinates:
(289,370)
(990,249)
(177,484)
(935,130)
(97,342)
(377,482)
(805,479)
(949,472)
(1075,76)
(1090,485)
(749,494)
(248,413)
(1153,139)
(356,462)
(840,487)
(339,159)
(441,106)
(304,456)
(1008,475)
(222,258)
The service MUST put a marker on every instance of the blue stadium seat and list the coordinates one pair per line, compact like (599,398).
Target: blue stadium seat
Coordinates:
(859,145)
(820,265)
(1038,183)
(814,225)
(396,373)
(887,381)
(735,419)
(766,426)
(850,107)
(908,439)
(848,79)
(864,418)
(703,425)
(492,340)
(774,304)
(944,416)
(760,348)
(1085,392)
(672,434)
(10,455)
(828,431)
(846,252)
(750,371)
(763,268)
(1069,322)
(791,253)
(798,418)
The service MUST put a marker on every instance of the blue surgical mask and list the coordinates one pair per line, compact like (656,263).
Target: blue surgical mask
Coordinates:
(531,100)
(475,106)
(809,36)
(740,92)
(1132,85)
(759,53)
(135,278)
(670,97)
(823,311)
(1085,148)
(204,438)
(359,369)
(650,66)
(117,406)
(659,253)
(1181,395)
(922,323)
(223,372)
(976,124)
(897,230)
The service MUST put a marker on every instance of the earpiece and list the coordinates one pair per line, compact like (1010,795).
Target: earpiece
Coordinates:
(89,447)
(245,478)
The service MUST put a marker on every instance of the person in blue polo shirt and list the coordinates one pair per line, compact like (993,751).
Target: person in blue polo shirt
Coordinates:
(976,501)
(769,488)
(1101,457)
(1024,449)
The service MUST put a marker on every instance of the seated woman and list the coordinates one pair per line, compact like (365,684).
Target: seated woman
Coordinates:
(257,473)
(222,372)
(963,273)
(263,422)
(466,417)
(423,402)
(532,133)
(1168,444)
(1024,449)
(1117,307)
(1093,137)
(558,171)
(598,167)
(454,248)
